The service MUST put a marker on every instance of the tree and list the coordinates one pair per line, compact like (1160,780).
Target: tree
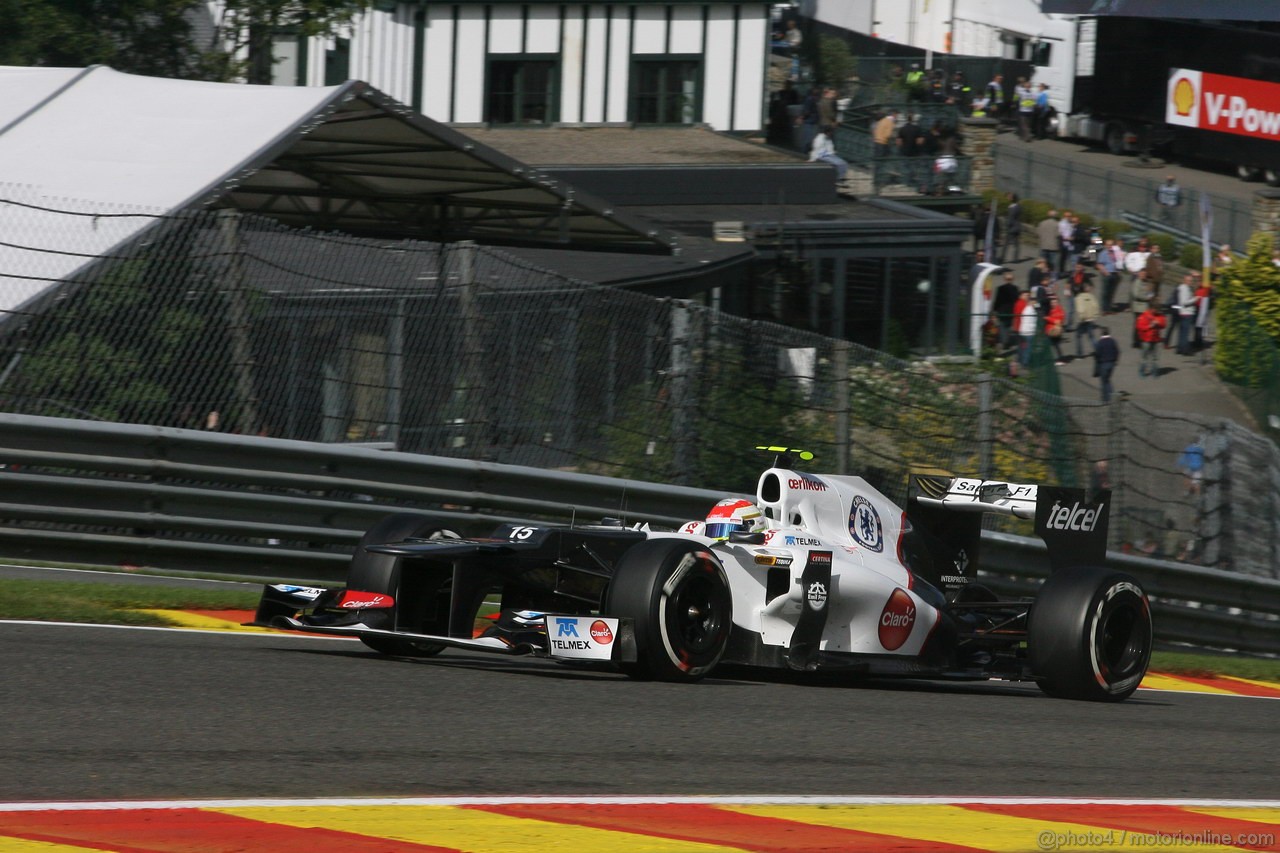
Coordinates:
(1247,299)
(162,38)
(252,25)
(151,37)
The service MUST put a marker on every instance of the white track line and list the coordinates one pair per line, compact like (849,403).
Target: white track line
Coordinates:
(753,800)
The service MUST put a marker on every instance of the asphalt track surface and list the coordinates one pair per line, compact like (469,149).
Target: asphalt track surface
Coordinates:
(99,713)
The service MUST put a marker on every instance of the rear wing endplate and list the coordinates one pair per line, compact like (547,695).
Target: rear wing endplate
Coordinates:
(1072,522)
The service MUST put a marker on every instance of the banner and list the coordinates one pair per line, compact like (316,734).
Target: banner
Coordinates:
(1226,104)
(1236,10)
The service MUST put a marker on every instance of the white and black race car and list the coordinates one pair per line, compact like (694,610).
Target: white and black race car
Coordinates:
(823,573)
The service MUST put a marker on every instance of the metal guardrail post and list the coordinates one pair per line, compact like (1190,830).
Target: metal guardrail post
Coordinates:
(840,365)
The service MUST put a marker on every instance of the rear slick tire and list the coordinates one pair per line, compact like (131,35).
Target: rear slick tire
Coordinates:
(677,595)
(1090,635)
(370,572)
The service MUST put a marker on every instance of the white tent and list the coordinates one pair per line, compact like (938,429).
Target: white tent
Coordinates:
(89,157)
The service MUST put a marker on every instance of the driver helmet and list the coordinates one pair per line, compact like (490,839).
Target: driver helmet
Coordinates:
(732,515)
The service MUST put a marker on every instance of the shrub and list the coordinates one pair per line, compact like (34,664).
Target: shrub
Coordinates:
(1111,229)
(1167,242)
(1190,256)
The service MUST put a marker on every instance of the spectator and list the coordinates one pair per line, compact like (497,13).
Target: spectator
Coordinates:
(1204,301)
(824,150)
(1155,268)
(1169,196)
(808,118)
(1184,303)
(1043,112)
(1012,230)
(1101,477)
(1025,95)
(1136,260)
(1066,241)
(1141,300)
(1047,235)
(1191,464)
(1028,322)
(1222,260)
(1109,261)
(994,94)
(1087,314)
(1003,305)
(1106,356)
(1150,324)
(793,37)
(1055,321)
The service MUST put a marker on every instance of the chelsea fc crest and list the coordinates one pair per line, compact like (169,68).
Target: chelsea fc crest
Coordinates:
(864,524)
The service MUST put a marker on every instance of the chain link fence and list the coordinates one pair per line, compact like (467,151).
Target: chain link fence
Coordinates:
(217,321)
(1117,194)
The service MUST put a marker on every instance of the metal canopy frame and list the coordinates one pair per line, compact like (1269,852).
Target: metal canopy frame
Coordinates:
(367,165)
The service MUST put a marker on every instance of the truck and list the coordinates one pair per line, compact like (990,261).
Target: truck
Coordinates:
(1208,90)
(1196,89)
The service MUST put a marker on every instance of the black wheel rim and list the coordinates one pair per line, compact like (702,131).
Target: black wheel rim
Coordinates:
(696,612)
(1122,638)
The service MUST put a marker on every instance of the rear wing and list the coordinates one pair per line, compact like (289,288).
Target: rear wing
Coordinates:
(1072,523)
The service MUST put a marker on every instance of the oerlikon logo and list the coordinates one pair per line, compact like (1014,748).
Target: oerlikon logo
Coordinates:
(897,619)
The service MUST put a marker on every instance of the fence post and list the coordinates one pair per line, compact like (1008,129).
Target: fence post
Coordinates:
(840,364)
(469,385)
(682,401)
(237,324)
(1116,467)
(1066,185)
(985,436)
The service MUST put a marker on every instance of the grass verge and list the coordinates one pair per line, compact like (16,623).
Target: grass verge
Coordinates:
(1207,665)
(111,604)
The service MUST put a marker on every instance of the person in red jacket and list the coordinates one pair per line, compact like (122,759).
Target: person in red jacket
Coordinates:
(1151,324)
(1055,324)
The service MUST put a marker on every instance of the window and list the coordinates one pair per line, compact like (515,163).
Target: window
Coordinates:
(337,62)
(666,91)
(523,91)
(1041,53)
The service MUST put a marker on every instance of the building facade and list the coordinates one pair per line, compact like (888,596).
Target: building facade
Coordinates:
(540,64)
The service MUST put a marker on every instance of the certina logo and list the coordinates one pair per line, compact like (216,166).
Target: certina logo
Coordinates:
(896,620)
(600,632)
(806,484)
(820,558)
(801,540)
(817,595)
(1074,517)
(864,524)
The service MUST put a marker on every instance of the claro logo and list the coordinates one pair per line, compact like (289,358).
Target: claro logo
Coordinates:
(1074,517)
(897,619)
(600,632)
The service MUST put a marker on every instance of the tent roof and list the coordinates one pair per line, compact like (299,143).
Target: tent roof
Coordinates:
(346,158)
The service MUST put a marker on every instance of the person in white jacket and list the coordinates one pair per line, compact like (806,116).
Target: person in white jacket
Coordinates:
(824,149)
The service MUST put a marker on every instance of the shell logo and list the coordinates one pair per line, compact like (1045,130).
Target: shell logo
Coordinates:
(1184,96)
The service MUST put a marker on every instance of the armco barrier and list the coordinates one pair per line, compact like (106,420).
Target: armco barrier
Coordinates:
(106,493)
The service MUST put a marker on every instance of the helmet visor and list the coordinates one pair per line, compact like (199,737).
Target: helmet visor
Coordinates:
(721,529)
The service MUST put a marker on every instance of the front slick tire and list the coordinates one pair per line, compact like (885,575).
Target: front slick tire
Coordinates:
(1090,635)
(381,573)
(677,595)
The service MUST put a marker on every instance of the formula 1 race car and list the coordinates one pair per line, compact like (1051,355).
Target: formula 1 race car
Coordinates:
(823,572)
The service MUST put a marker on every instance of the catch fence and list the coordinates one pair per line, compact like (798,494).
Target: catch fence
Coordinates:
(1118,194)
(237,324)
